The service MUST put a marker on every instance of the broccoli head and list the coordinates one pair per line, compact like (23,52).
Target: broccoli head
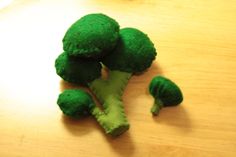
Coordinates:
(93,35)
(165,92)
(75,103)
(77,70)
(133,53)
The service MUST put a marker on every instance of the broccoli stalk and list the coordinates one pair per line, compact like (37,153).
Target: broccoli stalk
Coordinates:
(109,92)
(134,52)
(156,107)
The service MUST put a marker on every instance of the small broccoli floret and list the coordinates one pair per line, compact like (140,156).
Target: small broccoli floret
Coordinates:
(75,103)
(133,53)
(165,92)
(92,36)
(77,70)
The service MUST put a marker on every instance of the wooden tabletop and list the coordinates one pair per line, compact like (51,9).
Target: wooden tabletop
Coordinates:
(196,44)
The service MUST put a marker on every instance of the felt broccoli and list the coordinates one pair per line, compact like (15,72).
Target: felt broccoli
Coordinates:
(93,35)
(133,53)
(165,92)
(76,103)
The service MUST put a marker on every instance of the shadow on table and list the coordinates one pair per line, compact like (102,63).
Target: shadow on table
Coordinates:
(78,127)
(152,71)
(66,85)
(122,144)
(175,116)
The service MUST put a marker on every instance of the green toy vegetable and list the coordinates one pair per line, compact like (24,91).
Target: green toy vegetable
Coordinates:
(93,35)
(134,52)
(75,103)
(165,92)
(77,70)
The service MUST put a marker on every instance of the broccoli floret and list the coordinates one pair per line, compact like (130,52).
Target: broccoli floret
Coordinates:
(75,103)
(94,35)
(77,70)
(165,92)
(134,52)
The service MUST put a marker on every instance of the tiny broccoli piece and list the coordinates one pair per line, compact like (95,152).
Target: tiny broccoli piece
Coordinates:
(133,53)
(75,103)
(165,92)
(92,36)
(77,70)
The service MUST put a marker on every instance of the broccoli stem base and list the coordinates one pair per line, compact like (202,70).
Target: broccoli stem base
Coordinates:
(109,92)
(156,107)
(113,121)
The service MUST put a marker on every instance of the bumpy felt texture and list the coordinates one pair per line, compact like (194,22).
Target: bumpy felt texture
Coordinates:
(93,35)
(77,70)
(166,91)
(109,92)
(133,53)
(75,103)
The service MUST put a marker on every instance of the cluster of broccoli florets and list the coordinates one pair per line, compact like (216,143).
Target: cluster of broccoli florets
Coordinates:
(96,41)
(91,43)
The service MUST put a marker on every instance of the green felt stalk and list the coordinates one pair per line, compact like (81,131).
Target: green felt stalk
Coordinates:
(156,107)
(109,92)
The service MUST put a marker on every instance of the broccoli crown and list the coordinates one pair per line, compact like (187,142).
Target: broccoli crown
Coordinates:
(91,36)
(165,90)
(75,103)
(133,53)
(77,70)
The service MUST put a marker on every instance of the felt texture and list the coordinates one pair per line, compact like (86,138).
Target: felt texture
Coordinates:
(92,36)
(133,53)
(75,103)
(77,70)
(165,92)
(109,92)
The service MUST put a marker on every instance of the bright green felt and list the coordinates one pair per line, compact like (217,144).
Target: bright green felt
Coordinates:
(93,35)
(165,92)
(156,107)
(133,53)
(75,103)
(109,92)
(76,70)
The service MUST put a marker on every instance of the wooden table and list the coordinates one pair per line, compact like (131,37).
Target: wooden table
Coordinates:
(196,43)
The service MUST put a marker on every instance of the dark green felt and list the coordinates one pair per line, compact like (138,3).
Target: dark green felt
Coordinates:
(165,92)
(75,103)
(133,53)
(77,70)
(93,35)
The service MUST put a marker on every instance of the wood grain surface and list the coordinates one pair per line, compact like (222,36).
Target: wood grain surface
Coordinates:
(196,43)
